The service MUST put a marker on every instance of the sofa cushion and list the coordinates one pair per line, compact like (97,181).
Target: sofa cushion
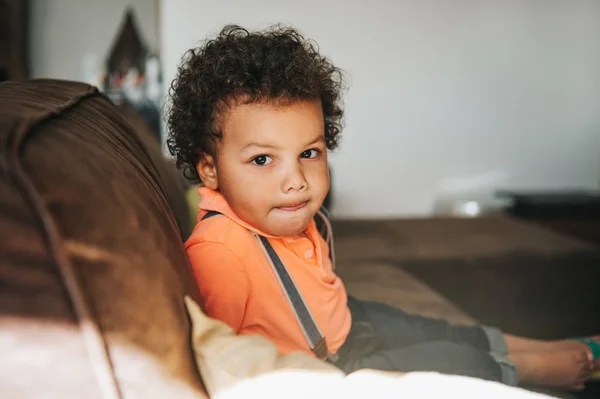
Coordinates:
(93,270)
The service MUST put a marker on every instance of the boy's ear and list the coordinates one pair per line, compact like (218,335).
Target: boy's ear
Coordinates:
(207,169)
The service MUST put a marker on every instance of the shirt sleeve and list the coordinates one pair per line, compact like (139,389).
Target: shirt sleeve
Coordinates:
(222,281)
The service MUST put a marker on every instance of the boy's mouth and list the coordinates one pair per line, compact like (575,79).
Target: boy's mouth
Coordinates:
(293,208)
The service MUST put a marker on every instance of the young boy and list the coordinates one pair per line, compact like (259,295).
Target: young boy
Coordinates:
(253,116)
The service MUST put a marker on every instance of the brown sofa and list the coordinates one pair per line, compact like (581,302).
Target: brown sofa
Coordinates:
(93,271)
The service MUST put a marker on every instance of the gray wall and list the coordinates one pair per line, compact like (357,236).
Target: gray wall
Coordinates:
(65,32)
(447,96)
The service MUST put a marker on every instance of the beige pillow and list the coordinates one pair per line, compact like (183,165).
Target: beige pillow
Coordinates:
(225,359)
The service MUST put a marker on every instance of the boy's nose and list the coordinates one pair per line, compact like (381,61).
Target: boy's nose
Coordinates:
(294,181)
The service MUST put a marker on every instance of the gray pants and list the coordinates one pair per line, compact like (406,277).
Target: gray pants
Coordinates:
(385,338)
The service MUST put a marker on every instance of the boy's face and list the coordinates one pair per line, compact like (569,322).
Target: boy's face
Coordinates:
(271,165)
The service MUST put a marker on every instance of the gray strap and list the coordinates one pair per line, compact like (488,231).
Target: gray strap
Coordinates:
(327,233)
(210,214)
(310,329)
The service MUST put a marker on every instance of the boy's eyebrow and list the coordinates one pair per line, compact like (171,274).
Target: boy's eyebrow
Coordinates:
(319,139)
(260,145)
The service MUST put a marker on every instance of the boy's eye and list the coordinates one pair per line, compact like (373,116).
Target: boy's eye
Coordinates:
(262,160)
(310,154)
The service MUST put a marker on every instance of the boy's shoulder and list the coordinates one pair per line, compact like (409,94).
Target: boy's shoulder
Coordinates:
(220,229)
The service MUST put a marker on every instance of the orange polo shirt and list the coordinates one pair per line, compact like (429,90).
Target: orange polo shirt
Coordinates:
(239,287)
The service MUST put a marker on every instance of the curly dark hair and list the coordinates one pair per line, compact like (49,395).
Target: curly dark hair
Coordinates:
(238,66)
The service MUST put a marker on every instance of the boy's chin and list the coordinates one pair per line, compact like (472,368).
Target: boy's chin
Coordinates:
(289,228)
